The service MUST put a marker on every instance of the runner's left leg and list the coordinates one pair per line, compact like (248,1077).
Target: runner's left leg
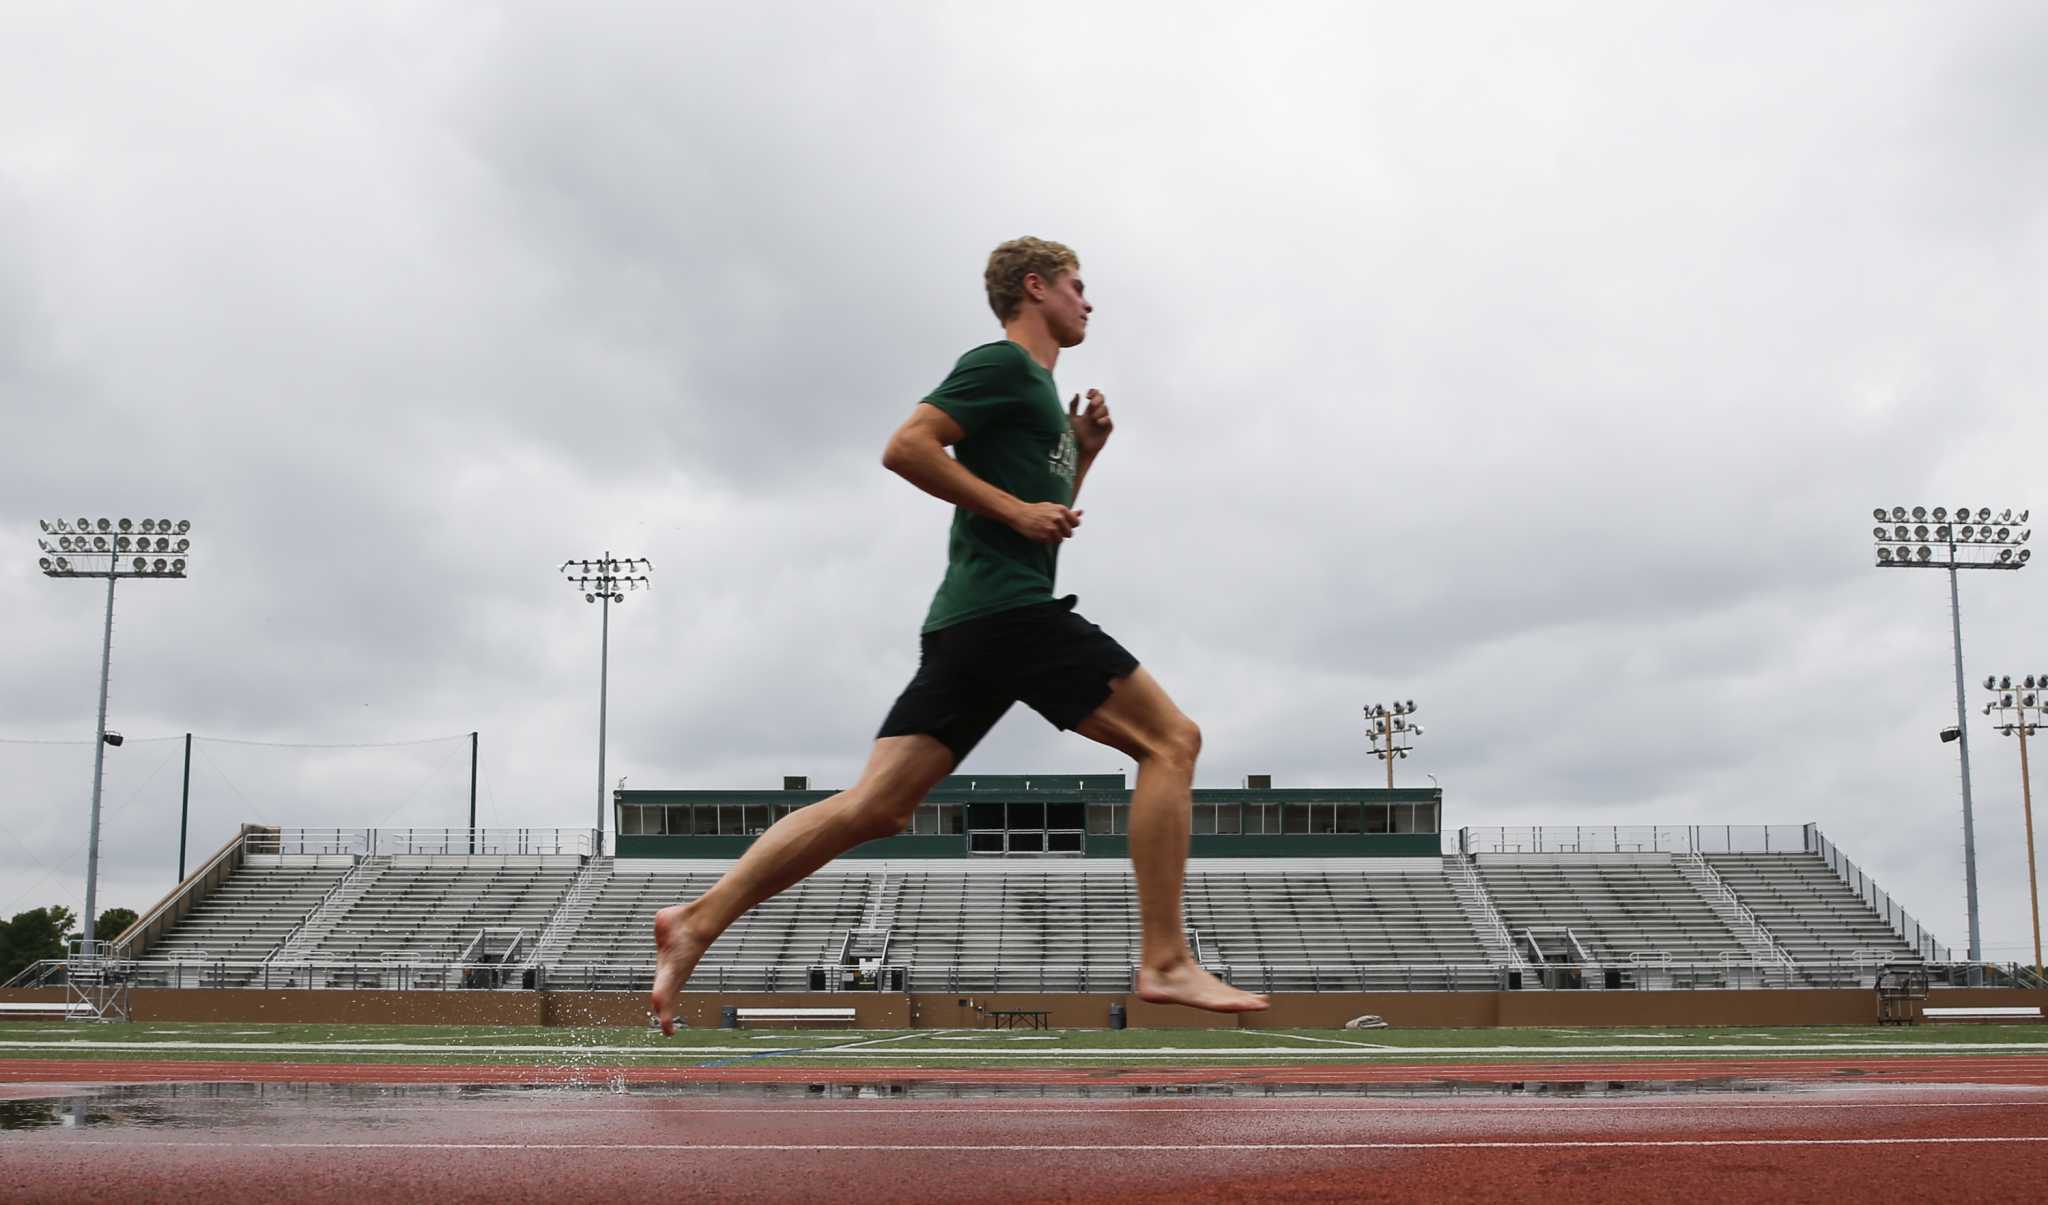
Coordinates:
(1139,720)
(900,772)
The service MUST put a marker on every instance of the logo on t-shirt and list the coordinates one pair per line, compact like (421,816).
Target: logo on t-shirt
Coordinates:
(1065,457)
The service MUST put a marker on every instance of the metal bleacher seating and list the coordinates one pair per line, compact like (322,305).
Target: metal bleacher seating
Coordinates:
(423,911)
(251,912)
(1621,908)
(1374,924)
(1809,910)
(767,949)
(984,928)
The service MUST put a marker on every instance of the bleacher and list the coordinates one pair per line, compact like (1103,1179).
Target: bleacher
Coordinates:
(1621,908)
(768,949)
(1530,898)
(1373,924)
(1809,910)
(422,910)
(253,911)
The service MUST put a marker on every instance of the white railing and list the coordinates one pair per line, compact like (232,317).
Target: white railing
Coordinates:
(1722,896)
(1493,931)
(482,842)
(1635,838)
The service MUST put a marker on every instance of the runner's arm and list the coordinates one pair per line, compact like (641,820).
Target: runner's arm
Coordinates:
(917,453)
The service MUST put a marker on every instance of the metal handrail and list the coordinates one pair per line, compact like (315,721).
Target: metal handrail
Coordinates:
(1725,895)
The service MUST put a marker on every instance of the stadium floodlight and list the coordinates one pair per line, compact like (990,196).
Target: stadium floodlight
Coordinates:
(100,549)
(1973,542)
(606,581)
(1390,729)
(2022,712)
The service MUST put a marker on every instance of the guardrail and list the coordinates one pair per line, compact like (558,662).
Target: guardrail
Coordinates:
(1901,921)
(1636,838)
(481,842)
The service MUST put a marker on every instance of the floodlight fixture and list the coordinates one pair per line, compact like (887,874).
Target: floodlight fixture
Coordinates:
(1390,729)
(1965,538)
(2022,713)
(103,550)
(605,580)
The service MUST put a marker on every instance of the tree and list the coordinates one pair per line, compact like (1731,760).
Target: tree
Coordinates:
(33,936)
(112,923)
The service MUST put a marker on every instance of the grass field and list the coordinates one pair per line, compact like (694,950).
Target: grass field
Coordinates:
(630,1047)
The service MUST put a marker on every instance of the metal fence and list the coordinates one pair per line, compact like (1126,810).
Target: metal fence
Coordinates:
(1637,838)
(493,842)
(1901,921)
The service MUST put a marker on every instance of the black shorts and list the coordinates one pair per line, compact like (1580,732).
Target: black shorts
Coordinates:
(970,673)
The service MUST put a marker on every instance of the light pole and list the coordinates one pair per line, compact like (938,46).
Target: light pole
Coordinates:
(601,581)
(1966,540)
(2019,708)
(109,548)
(1389,727)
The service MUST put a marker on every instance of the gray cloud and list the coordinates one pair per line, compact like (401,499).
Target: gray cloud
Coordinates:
(1541,370)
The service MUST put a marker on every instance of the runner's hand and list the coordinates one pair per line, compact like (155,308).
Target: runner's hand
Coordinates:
(1091,426)
(1046,522)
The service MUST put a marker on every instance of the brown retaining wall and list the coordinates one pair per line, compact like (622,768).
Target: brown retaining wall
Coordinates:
(875,1010)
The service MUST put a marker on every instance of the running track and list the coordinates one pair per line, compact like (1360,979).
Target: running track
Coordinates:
(1837,1130)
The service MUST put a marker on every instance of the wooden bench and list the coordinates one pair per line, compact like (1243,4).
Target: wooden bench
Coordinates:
(1992,1013)
(55,1009)
(797,1016)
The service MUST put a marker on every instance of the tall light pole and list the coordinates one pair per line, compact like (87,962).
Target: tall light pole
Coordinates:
(601,582)
(2019,708)
(1965,540)
(109,548)
(1390,729)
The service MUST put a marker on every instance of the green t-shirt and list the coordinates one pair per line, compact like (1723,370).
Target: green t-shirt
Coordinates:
(1020,441)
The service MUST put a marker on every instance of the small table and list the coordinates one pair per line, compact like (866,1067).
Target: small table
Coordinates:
(1014,1018)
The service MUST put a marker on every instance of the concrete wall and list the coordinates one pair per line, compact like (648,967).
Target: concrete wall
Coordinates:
(876,1010)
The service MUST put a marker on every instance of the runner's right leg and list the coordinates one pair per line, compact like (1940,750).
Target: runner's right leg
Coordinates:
(900,772)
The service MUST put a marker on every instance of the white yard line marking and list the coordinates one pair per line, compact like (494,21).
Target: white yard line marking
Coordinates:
(1302,1037)
(836,1110)
(943,1148)
(1415,1052)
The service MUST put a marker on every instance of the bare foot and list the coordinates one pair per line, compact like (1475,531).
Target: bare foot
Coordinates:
(676,951)
(1187,983)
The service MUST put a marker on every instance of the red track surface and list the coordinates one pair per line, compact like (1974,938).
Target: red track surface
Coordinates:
(1880,1127)
(1926,1069)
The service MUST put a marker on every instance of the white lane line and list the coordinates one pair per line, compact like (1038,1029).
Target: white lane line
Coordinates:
(836,1110)
(1302,1037)
(943,1148)
(1417,1052)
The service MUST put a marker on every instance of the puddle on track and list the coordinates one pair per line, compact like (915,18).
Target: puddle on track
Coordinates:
(256,1107)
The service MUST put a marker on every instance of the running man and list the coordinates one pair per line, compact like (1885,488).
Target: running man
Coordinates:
(995,634)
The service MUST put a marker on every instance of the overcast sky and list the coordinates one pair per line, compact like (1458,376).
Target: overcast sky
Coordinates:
(1542,366)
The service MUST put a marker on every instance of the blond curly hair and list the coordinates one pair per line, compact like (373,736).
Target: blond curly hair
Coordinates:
(1010,263)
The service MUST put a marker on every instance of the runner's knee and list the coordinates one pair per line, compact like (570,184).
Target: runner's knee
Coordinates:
(877,815)
(1180,743)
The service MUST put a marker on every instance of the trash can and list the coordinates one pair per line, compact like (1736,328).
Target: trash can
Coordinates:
(1116,1014)
(729,1017)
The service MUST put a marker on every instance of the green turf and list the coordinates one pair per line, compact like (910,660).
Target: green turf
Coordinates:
(878,1050)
